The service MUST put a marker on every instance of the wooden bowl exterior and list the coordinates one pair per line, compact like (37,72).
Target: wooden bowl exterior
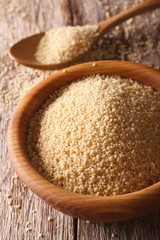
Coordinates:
(92,208)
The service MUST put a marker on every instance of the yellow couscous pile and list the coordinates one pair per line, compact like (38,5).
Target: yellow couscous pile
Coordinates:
(64,44)
(99,135)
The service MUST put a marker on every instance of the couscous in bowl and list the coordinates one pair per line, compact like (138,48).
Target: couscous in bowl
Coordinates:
(92,208)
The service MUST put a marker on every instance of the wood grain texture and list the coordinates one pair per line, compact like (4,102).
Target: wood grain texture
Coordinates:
(133,44)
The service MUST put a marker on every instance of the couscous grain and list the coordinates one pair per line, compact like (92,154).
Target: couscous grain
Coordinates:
(98,136)
(66,43)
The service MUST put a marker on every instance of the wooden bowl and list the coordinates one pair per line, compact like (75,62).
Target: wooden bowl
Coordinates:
(92,208)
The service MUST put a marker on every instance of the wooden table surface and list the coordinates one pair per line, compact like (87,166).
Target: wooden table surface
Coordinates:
(22,214)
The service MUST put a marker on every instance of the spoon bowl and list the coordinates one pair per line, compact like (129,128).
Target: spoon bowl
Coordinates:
(92,208)
(24,51)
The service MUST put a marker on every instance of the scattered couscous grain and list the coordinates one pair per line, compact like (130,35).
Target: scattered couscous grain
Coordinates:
(66,43)
(15,177)
(11,209)
(28,229)
(98,136)
(50,219)
(10,202)
(112,235)
(28,223)
(8,196)
(41,235)
(17,206)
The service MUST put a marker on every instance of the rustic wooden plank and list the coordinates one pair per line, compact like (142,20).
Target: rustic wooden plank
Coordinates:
(142,228)
(19,19)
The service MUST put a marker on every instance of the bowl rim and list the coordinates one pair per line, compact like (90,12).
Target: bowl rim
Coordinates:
(92,208)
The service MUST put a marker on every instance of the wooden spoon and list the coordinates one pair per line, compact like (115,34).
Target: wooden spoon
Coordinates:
(23,51)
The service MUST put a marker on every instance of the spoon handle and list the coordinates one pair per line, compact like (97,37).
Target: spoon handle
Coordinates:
(108,24)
